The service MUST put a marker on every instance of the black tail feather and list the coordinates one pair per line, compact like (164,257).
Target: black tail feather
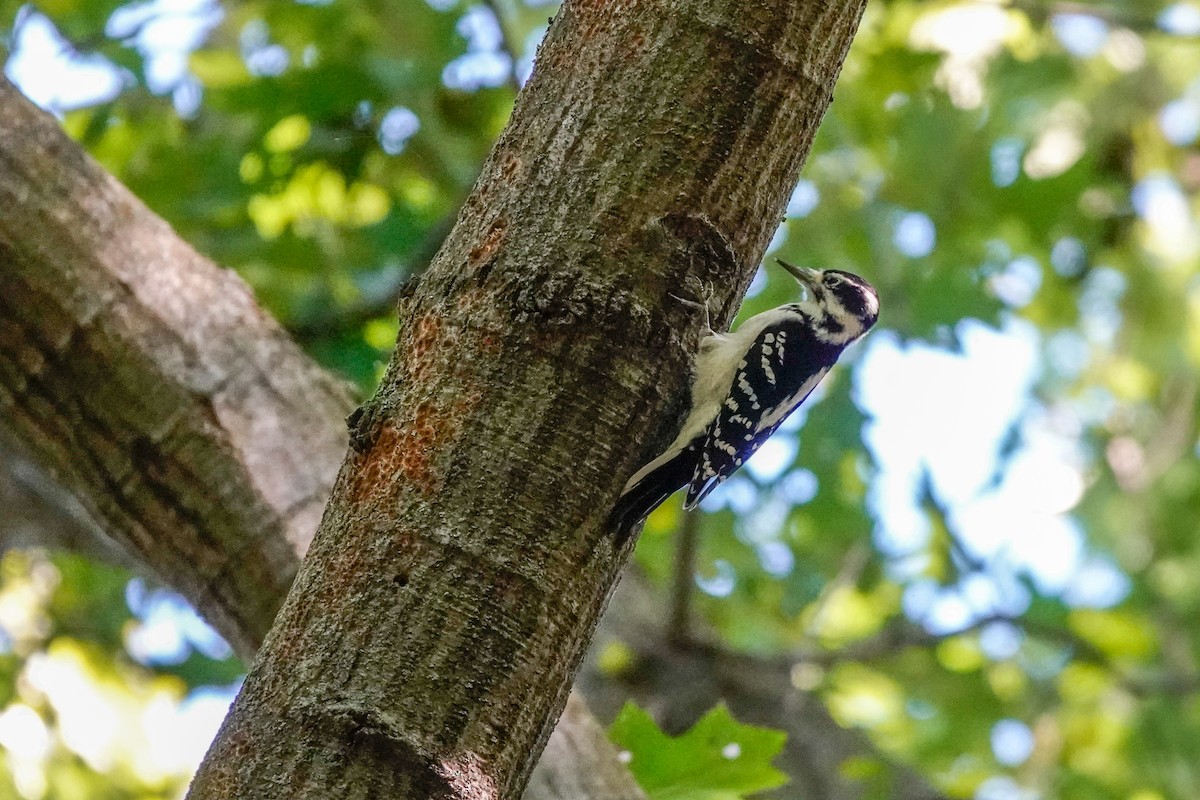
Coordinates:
(637,501)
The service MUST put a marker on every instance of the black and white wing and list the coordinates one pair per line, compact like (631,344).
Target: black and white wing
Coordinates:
(779,370)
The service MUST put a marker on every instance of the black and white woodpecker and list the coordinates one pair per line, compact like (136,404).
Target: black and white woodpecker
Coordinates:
(745,384)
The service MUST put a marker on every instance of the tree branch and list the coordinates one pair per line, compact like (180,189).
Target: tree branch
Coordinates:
(152,386)
(38,513)
(683,581)
(679,684)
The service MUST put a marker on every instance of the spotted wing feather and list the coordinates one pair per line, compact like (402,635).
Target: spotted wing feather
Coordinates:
(784,365)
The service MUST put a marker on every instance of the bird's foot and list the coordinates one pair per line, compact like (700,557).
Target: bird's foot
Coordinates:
(707,291)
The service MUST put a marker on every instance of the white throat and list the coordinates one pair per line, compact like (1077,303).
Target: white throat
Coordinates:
(832,323)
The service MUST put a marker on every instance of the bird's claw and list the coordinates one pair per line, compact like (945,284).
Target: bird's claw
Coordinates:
(708,294)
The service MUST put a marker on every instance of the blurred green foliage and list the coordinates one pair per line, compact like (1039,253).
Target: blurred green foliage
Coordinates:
(984,164)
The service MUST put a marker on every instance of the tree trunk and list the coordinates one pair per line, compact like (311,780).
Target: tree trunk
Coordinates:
(429,641)
(192,435)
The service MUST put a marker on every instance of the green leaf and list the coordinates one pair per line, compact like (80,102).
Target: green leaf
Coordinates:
(718,759)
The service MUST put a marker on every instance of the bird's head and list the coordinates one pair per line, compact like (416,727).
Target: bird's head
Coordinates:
(847,305)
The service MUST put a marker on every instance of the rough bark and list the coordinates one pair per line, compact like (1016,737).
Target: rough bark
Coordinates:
(149,381)
(36,512)
(430,638)
(191,435)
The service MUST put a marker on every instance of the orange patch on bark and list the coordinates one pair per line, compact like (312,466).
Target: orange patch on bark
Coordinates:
(410,452)
(422,443)
(509,168)
(467,299)
(402,457)
(431,345)
(425,338)
(491,243)
(489,344)
(377,466)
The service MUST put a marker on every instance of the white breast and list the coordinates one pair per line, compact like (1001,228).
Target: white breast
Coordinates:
(716,365)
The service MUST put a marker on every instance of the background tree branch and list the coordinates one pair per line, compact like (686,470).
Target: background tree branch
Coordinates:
(39,513)
(678,681)
(152,386)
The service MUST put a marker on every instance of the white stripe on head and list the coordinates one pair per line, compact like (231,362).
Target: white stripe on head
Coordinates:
(872,303)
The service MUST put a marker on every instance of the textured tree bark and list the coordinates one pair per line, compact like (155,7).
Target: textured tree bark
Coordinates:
(192,435)
(148,380)
(36,512)
(430,638)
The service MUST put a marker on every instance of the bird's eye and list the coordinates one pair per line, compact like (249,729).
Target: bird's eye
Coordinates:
(832,280)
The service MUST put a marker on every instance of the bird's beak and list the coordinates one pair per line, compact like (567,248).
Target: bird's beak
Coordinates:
(810,279)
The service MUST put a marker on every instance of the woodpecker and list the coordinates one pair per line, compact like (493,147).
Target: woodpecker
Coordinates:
(745,384)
